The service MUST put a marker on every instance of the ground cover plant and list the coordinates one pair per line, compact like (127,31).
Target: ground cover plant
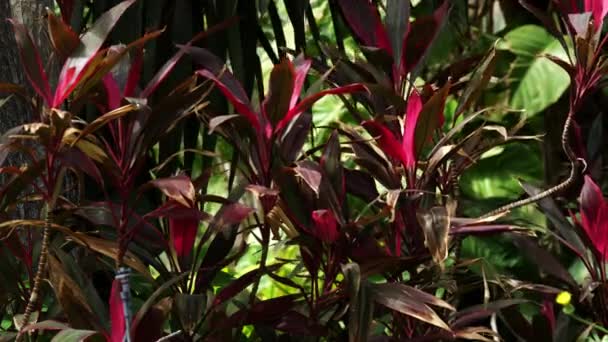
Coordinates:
(307,170)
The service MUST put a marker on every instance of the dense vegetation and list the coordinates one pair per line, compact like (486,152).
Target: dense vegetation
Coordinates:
(308,170)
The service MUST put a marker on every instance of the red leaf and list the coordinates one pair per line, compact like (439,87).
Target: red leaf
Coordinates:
(306,103)
(420,36)
(32,62)
(414,107)
(73,69)
(134,73)
(598,8)
(183,233)
(112,92)
(302,65)
(362,17)
(117,314)
(594,216)
(325,225)
(387,141)
(234,95)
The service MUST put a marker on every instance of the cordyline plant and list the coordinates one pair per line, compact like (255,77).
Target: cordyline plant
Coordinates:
(372,210)
(133,127)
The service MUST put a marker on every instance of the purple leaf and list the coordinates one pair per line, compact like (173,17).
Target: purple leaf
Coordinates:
(32,62)
(74,68)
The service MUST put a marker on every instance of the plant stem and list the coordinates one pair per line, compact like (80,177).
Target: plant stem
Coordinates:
(42,263)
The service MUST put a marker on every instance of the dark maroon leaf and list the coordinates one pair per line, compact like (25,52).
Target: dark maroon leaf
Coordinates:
(544,260)
(294,136)
(280,91)
(332,166)
(231,214)
(360,306)
(478,312)
(410,301)
(360,184)
(238,285)
(364,20)
(430,118)
(113,93)
(420,36)
(297,324)
(150,326)
(78,160)
(66,7)
(64,40)
(266,311)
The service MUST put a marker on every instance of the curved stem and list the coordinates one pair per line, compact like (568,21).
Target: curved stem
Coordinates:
(574,170)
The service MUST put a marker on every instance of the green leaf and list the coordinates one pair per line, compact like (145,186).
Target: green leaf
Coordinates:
(497,176)
(541,82)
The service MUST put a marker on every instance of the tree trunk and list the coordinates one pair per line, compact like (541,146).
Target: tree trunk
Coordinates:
(15,111)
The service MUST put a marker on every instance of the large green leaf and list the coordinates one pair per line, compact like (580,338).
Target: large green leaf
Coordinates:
(540,82)
(496,176)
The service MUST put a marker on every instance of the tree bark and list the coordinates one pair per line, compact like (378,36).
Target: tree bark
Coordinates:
(16,111)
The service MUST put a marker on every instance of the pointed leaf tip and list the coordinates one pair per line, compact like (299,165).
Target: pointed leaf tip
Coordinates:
(325,225)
